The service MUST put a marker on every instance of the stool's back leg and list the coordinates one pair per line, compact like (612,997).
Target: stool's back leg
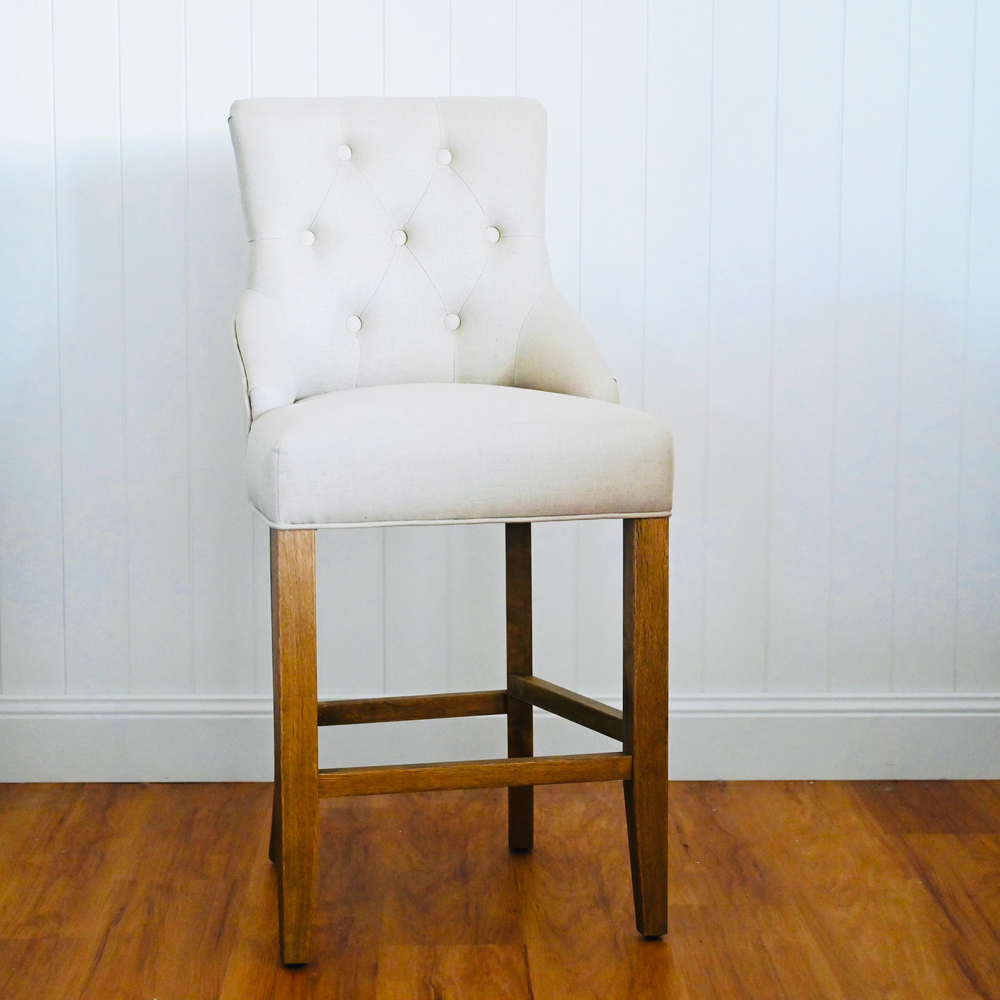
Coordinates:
(295,827)
(520,737)
(645,716)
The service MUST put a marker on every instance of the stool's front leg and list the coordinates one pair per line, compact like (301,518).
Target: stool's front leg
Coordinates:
(294,830)
(645,716)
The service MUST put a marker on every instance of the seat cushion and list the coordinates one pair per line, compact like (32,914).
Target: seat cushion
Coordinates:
(446,452)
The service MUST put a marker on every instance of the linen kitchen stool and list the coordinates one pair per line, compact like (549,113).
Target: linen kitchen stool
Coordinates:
(409,361)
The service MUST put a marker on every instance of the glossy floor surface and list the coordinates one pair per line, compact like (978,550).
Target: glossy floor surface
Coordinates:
(796,890)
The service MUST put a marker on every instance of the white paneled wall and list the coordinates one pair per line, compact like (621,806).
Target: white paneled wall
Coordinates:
(780,219)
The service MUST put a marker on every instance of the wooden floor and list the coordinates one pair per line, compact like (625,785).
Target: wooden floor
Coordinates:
(778,890)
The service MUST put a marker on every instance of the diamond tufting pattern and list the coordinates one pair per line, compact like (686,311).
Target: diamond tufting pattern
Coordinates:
(420,212)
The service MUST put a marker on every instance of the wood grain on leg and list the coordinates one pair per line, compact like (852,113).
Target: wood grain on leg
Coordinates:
(645,716)
(415,706)
(520,737)
(294,835)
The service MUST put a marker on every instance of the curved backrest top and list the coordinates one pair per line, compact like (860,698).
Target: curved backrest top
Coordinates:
(391,240)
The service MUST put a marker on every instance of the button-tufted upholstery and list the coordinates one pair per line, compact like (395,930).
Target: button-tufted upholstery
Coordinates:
(397,241)
(400,213)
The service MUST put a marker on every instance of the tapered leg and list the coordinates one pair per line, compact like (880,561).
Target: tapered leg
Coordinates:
(645,716)
(520,738)
(294,829)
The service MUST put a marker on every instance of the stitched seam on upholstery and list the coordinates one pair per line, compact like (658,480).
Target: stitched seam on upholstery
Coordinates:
(433,172)
(520,332)
(336,174)
(429,278)
(380,280)
(473,193)
(453,170)
(371,187)
(357,337)
(329,188)
(246,381)
(437,111)
(422,196)
(489,254)
(477,201)
(291,320)
(385,212)
(475,284)
(360,173)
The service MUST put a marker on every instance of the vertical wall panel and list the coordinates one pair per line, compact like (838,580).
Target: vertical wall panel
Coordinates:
(934,298)
(283,63)
(807,259)
(477,623)
(417,599)
(743,177)
(350,620)
(599,607)
(417,51)
(350,584)
(785,219)
(417,610)
(978,646)
(548,69)
(876,60)
(350,48)
(222,533)
(284,50)
(153,194)
(89,192)
(482,65)
(482,48)
(612,242)
(613,182)
(31,560)
(678,246)
(554,571)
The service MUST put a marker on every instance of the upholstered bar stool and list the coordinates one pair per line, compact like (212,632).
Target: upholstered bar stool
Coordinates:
(408,361)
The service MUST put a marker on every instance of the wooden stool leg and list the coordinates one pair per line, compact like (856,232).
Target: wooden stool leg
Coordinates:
(520,737)
(645,716)
(295,824)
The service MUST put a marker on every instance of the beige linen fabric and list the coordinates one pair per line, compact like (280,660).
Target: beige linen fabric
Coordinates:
(322,249)
(452,452)
(400,315)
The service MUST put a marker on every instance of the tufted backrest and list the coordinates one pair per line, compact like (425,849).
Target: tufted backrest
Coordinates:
(400,240)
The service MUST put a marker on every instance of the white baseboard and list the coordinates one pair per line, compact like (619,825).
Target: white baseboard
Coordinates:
(744,737)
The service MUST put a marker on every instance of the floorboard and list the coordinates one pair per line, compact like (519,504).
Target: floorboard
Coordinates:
(797,890)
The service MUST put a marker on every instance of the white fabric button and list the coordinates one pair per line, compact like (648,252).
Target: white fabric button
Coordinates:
(307,237)
(399,237)
(452,321)
(343,152)
(443,157)
(492,234)
(353,324)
